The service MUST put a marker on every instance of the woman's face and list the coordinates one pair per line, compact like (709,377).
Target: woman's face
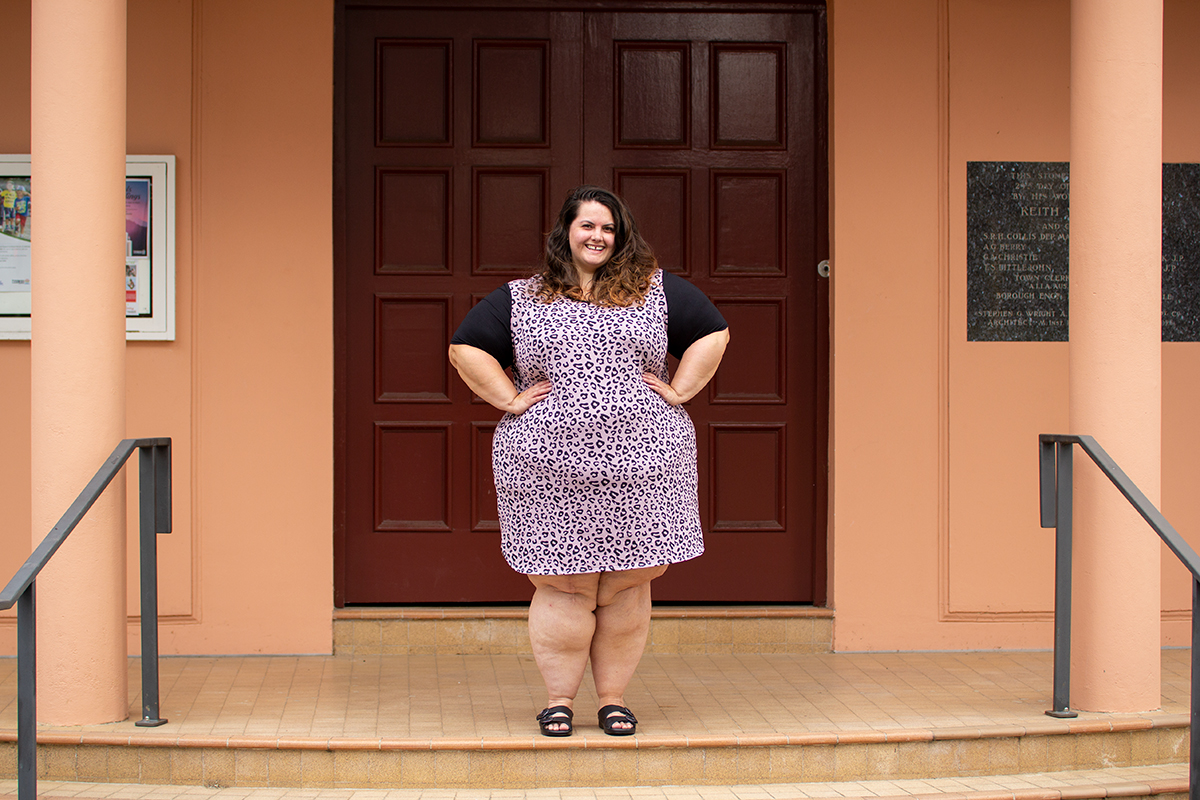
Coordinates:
(592,236)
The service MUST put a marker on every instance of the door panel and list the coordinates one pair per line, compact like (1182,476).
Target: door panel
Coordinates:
(734,206)
(462,132)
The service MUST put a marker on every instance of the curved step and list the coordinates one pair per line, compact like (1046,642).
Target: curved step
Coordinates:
(1162,783)
(592,759)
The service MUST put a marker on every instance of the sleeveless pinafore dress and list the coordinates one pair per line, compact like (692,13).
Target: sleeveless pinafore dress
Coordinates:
(600,475)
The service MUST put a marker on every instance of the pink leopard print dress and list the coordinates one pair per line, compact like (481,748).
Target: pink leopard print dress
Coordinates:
(600,475)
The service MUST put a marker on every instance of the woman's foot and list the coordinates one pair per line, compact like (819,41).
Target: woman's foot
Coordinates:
(556,721)
(617,720)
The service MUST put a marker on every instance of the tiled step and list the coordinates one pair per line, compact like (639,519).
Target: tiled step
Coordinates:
(464,725)
(502,630)
(591,759)
(1162,783)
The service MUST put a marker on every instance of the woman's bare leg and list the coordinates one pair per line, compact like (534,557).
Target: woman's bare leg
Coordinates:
(561,624)
(622,624)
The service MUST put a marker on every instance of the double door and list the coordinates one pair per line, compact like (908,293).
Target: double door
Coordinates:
(459,134)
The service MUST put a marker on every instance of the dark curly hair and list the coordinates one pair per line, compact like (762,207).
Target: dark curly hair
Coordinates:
(623,280)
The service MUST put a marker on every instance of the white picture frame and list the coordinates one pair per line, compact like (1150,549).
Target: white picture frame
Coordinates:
(150,248)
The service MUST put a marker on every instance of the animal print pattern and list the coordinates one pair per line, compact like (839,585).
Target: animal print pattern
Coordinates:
(601,474)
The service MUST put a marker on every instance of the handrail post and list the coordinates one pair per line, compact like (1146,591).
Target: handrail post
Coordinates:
(1047,480)
(1062,582)
(1194,747)
(1058,514)
(154,506)
(150,507)
(27,695)
(162,487)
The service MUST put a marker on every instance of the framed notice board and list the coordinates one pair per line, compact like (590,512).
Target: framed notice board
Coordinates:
(149,246)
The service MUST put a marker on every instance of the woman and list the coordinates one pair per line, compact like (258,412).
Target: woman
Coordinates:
(595,459)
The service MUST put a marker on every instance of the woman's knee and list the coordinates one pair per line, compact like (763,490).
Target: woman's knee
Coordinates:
(625,583)
(583,587)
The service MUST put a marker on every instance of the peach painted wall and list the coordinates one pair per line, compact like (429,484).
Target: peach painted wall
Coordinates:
(999,562)
(886,443)
(934,521)
(241,94)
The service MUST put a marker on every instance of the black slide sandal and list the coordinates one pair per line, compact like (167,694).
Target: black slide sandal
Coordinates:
(609,715)
(556,715)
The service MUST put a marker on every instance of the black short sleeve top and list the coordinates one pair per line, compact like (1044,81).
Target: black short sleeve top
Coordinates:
(690,316)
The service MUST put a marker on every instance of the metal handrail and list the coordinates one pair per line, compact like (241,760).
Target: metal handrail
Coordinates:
(154,506)
(1055,474)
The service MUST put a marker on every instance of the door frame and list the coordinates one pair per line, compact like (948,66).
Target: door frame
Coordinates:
(821,403)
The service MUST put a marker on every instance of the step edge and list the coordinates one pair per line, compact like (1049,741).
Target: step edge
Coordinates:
(846,790)
(68,736)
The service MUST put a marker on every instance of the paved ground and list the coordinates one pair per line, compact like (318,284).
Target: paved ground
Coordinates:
(496,697)
(481,700)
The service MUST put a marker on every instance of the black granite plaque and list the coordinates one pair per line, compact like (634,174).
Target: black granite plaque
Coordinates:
(1181,253)
(1017,251)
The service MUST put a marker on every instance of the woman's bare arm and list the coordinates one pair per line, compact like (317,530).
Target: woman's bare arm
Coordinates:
(696,368)
(483,373)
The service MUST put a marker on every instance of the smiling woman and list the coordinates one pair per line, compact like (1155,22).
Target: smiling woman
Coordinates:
(591,237)
(595,459)
(596,229)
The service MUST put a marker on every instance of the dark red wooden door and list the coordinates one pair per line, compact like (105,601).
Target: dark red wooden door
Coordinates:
(460,132)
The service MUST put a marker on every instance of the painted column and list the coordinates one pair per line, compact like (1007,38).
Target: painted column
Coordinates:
(78,351)
(1116,335)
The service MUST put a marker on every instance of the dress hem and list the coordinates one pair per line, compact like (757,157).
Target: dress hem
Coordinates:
(616,569)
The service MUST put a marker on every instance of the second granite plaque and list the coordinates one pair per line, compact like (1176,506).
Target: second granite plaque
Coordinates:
(1181,253)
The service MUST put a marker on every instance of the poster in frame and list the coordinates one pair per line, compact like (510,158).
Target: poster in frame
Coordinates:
(149,247)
